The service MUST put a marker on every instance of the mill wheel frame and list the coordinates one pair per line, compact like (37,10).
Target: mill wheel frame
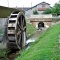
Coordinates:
(16,30)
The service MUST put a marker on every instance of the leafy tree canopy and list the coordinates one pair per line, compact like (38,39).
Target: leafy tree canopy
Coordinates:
(54,10)
(35,12)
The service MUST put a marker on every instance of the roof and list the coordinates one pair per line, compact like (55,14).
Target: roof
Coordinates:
(23,8)
(37,5)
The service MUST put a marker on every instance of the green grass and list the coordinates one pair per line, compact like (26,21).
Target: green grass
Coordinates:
(45,48)
(3,53)
(30,29)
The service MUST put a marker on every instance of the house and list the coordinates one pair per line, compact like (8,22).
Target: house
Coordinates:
(40,8)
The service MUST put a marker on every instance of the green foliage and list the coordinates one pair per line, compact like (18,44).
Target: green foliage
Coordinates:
(47,11)
(45,48)
(55,10)
(3,53)
(35,12)
(30,29)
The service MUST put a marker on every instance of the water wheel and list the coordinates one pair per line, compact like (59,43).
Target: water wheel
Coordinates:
(16,31)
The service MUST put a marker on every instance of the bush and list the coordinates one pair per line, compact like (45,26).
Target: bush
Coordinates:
(35,12)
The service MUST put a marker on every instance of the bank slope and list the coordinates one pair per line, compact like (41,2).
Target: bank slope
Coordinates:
(45,48)
(30,29)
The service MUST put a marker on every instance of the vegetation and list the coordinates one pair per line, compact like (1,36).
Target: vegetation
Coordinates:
(45,48)
(1,31)
(30,29)
(35,12)
(55,10)
(47,11)
(3,53)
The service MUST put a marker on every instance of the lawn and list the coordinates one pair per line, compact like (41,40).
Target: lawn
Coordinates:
(45,48)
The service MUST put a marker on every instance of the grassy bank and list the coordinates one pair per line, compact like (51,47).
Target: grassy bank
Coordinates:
(30,29)
(45,48)
(3,53)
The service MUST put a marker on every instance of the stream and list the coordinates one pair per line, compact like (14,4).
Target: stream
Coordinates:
(34,37)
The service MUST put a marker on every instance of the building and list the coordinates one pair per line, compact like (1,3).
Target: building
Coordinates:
(41,7)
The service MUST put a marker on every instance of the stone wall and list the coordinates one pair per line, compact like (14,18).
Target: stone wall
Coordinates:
(2,22)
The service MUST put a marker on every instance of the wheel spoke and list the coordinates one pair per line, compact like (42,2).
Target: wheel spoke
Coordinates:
(19,41)
(16,39)
(18,32)
(19,25)
(22,23)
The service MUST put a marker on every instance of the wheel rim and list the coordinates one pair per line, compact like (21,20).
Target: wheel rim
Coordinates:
(15,29)
(20,30)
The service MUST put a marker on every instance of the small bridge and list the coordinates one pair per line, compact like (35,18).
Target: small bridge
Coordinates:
(36,19)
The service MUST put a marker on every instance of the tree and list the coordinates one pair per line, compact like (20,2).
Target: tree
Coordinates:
(35,12)
(47,11)
(54,10)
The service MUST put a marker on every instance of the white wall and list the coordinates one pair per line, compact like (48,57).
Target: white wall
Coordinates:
(41,16)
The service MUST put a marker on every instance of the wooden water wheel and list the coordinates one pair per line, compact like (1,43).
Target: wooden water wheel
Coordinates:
(16,30)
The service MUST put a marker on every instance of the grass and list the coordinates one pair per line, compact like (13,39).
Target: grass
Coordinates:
(30,29)
(45,48)
(3,53)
